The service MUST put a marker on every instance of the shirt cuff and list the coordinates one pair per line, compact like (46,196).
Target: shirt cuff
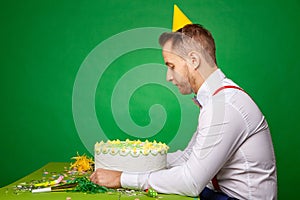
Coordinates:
(134,180)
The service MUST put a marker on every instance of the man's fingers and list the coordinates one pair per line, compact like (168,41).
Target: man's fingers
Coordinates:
(93,177)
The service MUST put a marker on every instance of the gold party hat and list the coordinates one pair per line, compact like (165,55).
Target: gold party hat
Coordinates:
(179,19)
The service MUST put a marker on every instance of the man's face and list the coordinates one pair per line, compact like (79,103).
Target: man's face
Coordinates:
(178,72)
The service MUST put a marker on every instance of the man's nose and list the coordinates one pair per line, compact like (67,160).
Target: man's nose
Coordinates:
(169,75)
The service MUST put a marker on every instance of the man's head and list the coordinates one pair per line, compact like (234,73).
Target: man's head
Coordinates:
(189,54)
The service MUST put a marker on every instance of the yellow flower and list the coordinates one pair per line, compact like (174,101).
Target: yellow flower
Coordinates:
(82,163)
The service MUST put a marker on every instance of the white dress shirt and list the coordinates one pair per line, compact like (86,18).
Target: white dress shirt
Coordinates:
(232,140)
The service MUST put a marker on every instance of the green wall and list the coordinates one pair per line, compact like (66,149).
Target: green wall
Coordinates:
(64,65)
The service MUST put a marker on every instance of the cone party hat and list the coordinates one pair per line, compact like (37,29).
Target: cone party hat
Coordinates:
(179,19)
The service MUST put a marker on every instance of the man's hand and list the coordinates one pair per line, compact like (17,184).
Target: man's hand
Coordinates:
(107,178)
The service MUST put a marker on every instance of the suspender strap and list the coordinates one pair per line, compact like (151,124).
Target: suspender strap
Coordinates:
(214,180)
(215,183)
(225,87)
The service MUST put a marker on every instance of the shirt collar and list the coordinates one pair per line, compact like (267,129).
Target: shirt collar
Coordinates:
(210,85)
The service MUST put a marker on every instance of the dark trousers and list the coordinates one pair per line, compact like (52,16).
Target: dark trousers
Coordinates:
(208,194)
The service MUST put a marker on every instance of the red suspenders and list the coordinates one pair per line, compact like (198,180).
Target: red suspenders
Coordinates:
(214,180)
(225,87)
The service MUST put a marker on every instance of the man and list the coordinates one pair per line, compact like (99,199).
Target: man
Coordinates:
(231,151)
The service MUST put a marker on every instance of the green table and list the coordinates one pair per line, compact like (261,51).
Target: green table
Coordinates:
(8,192)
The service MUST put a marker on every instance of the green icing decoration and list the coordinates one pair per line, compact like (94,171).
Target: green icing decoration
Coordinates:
(133,147)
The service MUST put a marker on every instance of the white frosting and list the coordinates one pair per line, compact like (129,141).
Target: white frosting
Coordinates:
(131,156)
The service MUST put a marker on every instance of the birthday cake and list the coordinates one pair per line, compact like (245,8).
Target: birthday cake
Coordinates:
(131,155)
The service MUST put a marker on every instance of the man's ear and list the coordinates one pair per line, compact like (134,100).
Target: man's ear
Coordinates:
(195,59)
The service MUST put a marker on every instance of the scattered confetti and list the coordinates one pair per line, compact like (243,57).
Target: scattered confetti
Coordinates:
(78,172)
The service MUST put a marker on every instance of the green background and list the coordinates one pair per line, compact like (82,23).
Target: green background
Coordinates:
(43,44)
